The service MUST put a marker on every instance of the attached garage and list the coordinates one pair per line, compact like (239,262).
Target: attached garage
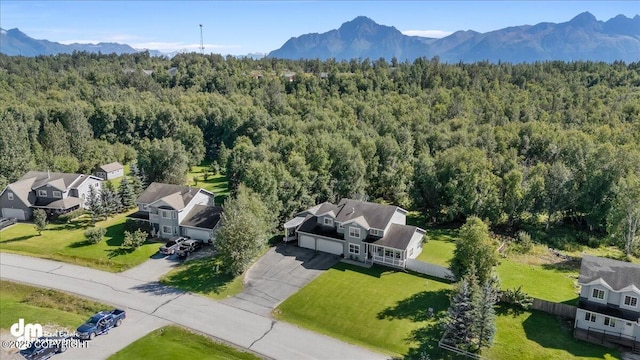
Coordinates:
(307,241)
(331,247)
(197,234)
(13,213)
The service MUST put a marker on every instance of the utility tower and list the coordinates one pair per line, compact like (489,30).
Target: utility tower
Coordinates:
(201,41)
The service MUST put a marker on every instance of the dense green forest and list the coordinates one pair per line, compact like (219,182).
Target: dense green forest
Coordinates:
(553,142)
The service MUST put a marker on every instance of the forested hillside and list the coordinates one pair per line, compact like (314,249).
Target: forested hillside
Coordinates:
(509,143)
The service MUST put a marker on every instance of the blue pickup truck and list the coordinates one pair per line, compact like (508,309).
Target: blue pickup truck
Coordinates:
(100,323)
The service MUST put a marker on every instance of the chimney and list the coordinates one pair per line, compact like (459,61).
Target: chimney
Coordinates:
(48,174)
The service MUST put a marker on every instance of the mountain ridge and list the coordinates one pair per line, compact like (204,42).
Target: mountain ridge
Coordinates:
(581,38)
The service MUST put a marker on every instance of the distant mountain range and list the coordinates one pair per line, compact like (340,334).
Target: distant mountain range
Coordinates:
(582,38)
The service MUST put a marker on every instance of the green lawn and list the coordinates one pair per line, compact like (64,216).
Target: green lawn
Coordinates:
(387,311)
(439,246)
(379,308)
(66,242)
(43,306)
(216,183)
(537,335)
(172,342)
(200,276)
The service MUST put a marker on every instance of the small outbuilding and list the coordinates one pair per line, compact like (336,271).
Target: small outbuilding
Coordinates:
(110,171)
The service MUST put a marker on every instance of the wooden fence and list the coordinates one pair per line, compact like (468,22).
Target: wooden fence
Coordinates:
(564,310)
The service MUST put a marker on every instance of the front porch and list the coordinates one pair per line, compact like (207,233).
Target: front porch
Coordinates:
(383,255)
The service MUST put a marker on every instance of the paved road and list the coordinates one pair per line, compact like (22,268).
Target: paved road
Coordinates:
(261,334)
(278,274)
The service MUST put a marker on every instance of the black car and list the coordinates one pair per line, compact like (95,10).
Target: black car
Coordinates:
(171,246)
(44,348)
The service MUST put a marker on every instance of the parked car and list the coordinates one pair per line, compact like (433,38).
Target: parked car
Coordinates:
(45,347)
(187,247)
(172,245)
(100,323)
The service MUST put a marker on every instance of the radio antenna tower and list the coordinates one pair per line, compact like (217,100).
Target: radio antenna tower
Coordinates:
(201,41)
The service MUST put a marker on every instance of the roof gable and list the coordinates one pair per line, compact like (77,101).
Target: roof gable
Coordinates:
(175,196)
(21,190)
(60,181)
(375,215)
(618,275)
(111,167)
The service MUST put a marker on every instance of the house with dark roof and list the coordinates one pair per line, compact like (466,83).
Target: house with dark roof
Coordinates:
(110,171)
(358,230)
(608,310)
(56,193)
(176,210)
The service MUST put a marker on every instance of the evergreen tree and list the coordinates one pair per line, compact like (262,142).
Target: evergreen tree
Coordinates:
(138,181)
(485,315)
(110,199)
(127,194)
(94,205)
(459,322)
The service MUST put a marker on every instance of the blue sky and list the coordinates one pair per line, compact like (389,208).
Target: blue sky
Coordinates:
(242,27)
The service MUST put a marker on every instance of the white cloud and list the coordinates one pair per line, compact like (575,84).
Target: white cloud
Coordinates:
(428,33)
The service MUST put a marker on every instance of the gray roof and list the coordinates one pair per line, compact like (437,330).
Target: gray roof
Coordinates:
(177,196)
(376,215)
(202,216)
(397,237)
(60,181)
(111,167)
(618,274)
(21,189)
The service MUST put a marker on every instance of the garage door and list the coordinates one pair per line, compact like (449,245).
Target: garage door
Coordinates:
(307,241)
(198,234)
(332,247)
(13,213)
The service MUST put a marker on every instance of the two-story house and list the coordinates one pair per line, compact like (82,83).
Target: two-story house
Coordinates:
(609,305)
(358,230)
(56,193)
(176,210)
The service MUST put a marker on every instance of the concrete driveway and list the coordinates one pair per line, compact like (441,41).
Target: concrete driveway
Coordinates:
(278,274)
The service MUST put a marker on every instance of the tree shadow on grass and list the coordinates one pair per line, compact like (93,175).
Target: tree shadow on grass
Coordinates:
(427,337)
(21,238)
(115,235)
(416,307)
(199,275)
(111,253)
(79,244)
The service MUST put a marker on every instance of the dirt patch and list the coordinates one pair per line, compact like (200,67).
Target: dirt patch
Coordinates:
(542,255)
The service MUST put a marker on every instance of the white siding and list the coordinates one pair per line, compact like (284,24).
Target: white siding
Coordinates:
(84,188)
(415,244)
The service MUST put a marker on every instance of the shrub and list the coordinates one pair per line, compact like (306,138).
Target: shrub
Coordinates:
(524,243)
(95,235)
(134,240)
(66,218)
(518,298)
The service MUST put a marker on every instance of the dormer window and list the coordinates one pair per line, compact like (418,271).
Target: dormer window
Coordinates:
(328,221)
(42,193)
(598,294)
(375,232)
(630,301)
(10,195)
(57,194)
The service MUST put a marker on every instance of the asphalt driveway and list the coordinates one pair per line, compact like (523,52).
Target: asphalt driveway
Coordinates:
(278,274)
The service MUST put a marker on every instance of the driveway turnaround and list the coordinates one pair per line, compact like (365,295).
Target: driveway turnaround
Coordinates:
(272,339)
(278,274)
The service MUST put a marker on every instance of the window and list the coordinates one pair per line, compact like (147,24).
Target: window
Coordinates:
(631,301)
(598,294)
(42,193)
(328,221)
(166,215)
(590,317)
(354,249)
(354,232)
(166,229)
(375,232)
(411,252)
(610,322)
(10,195)
(57,194)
